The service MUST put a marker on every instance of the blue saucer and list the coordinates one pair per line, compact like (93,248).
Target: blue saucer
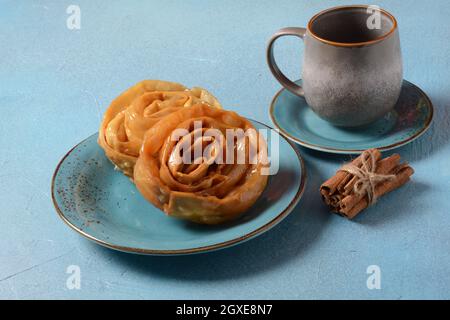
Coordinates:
(103,205)
(410,118)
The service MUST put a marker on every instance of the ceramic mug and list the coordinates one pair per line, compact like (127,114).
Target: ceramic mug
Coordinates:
(352,68)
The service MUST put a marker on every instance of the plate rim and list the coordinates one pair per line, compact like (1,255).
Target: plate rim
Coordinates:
(322,148)
(221,245)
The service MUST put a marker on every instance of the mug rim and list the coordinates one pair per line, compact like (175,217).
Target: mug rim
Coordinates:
(351,44)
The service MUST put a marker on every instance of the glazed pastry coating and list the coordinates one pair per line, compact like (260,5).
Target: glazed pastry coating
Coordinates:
(139,108)
(201,188)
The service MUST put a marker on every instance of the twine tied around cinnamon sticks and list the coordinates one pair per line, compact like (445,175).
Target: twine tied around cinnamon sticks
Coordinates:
(358,185)
(367,177)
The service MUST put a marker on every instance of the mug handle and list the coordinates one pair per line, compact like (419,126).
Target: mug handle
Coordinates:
(285,82)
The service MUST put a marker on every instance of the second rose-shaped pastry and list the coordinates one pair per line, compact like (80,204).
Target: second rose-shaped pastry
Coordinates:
(202,164)
(136,110)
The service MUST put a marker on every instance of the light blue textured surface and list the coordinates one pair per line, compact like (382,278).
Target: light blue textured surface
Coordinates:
(55,84)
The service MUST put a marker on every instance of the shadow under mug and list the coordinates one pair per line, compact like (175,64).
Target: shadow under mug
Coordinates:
(352,66)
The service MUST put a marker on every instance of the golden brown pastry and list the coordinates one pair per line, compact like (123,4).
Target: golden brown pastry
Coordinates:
(136,110)
(203,189)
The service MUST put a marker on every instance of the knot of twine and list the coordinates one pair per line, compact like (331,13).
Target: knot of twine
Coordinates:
(367,178)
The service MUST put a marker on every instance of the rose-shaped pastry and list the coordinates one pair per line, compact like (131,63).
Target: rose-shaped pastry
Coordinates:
(136,110)
(202,164)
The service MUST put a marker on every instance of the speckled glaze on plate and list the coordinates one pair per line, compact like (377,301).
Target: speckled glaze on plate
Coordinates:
(104,206)
(410,118)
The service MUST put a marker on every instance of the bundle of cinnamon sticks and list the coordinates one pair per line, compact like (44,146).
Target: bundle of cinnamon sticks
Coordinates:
(361,182)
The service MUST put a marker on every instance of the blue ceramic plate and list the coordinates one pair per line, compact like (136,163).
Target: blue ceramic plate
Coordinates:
(104,206)
(410,118)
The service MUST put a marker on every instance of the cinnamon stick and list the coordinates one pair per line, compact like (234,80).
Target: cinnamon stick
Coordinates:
(385,167)
(338,181)
(402,177)
(339,193)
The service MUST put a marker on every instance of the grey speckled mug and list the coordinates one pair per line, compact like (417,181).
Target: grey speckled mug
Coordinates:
(352,71)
